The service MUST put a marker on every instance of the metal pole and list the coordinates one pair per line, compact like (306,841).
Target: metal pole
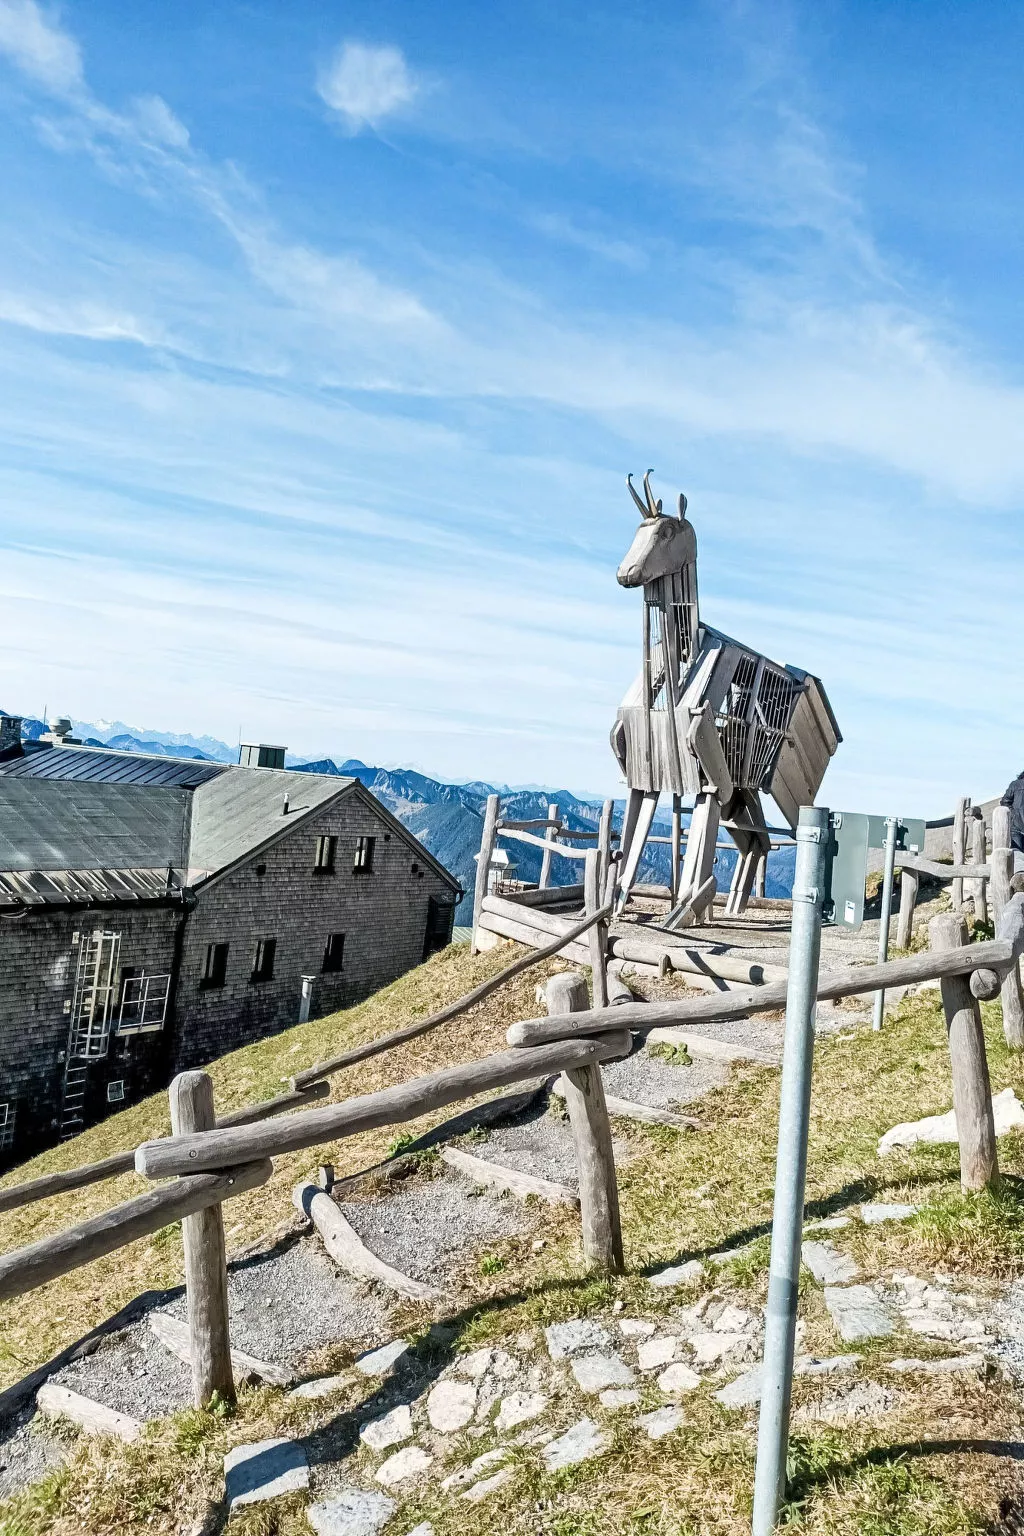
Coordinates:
(892,824)
(304,1001)
(812,837)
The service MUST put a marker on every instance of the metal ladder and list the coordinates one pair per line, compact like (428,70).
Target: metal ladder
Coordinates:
(72,1107)
(89,1032)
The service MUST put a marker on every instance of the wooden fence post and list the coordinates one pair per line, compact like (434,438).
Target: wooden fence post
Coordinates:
(956,890)
(972,1090)
(593,898)
(1002,873)
(592,1137)
(545,861)
(910,883)
(488,837)
(604,840)
(979,855)
(206,1268)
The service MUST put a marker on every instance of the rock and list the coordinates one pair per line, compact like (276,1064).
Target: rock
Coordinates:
(410,1462)
(677,1274)
(352,1512)
(709,1348)
(474,1365)
(535,1436)
(378,1362)
(828,1266)
(1007,1112)
(878,1211)
(321,1386)
(570,1338)
(390,1429)
(519,1408)
(733,1319)
(504,1366)
(952,1366)
(595,1372)
(661,1422)
(857,1312)
(582,1442)
(656,1353)
(469,1474)
(678,1378)
(727,1255)
(451,1405)
(487,1486)
(865,1400)
(745,1391)
(425,1528)
(635,1328)
(527,1341)
(264,1470)
(828,1224)
(619,1397)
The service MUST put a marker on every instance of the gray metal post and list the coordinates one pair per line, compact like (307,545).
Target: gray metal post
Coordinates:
(891,828)
(305,999)
(812,836)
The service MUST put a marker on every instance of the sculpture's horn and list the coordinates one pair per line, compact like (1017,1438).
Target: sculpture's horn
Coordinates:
(644,511)
(655,506)
(682,507)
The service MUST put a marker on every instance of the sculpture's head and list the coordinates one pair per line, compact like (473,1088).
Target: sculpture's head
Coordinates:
(661,544)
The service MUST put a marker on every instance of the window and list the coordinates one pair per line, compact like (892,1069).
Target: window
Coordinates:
(7,1123)
(263,970)
(363,863)
(334,952)
(216,970)
(326,848)
(440,918)
(144,1001)
(115,1091)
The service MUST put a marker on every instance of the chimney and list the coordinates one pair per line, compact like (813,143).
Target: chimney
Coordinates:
(253,754)
(59,733)
(10,734)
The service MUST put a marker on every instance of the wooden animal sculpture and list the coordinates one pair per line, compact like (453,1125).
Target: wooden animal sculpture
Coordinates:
(708,717)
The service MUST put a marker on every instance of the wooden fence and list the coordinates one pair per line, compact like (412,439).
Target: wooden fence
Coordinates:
(210,1160)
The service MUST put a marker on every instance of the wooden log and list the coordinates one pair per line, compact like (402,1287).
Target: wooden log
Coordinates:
(549,838)
(206,1263)
(174,1335)
(604,841)
(390,1106)
(549,923)
(706,1048)
(347,1249)
(524,933)
(592,1138)
(698,961)
(676,842)
(644,1114)
(488,837)
(25,1269)
(545,843)
(972,1090)
(532,826)
(955,872)
(119,1163)
(999,954)
(1011,999)
(959,851)
(661,892)
(554,896)
(910,884)
(490,1175)
(598,933)
(304,1081)
(691,906)
(978,856)
(96,1419)
(618,991)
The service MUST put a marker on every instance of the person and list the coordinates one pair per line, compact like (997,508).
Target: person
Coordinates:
(1014,798)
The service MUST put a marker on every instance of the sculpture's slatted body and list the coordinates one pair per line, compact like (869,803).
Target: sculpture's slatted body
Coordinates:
(709,717)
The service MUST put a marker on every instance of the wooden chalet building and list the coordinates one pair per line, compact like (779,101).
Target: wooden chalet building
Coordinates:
(158,912)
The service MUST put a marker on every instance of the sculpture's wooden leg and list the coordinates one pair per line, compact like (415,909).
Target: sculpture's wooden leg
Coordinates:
(634,839)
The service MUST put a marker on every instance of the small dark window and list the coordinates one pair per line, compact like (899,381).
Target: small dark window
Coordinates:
(326,848)
(334,952)
(440,919)
(363,863)
(261,870)
(215,973)
(115,1091)
(263,970)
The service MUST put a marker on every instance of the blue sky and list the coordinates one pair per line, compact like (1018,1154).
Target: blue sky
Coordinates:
(328,333)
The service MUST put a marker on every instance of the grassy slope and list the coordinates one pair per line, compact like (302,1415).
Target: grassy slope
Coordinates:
(927,1467)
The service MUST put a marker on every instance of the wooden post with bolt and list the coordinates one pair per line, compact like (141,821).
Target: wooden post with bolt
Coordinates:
(1001,860)
(979,855)
(488,838)
(593,898)
(592,1137)
(910,884)
(956,890)
(206,1268)
(972,1090)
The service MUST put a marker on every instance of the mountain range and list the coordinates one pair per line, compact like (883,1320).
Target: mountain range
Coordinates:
(445,817)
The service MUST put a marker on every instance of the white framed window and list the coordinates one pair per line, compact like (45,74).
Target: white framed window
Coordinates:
(7,1122)
(143,1004)
(115,1091)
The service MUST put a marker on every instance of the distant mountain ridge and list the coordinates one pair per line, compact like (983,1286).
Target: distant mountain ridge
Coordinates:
(447,818)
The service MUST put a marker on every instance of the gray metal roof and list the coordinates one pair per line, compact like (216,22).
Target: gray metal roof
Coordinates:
(87,887)
(107,767)
(244,807)
(47,824)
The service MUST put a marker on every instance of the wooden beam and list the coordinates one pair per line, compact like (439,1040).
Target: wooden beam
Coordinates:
(488,835)
(972,1090)
(95,1418)
(598,933)
(173,1334)
(959,851)
(698,961)
(978,856)
(549,838)
(490,1175)
(312,1075)
(390,1106)
(938,871)
(542,843)
(526,933)
(1010,997)
(348,1250)
(644,1114)
(910,884)
(26,1268)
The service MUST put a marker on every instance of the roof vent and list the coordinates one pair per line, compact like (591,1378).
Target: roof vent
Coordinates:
(10,733)
(258,755)
(59,733)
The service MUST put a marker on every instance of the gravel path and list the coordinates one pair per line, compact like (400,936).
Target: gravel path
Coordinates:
(649,1080)
(421,1229)
(132,1372)
(26,1453)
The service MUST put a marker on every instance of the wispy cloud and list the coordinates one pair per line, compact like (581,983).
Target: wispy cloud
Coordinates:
(366,83)
(40,47)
